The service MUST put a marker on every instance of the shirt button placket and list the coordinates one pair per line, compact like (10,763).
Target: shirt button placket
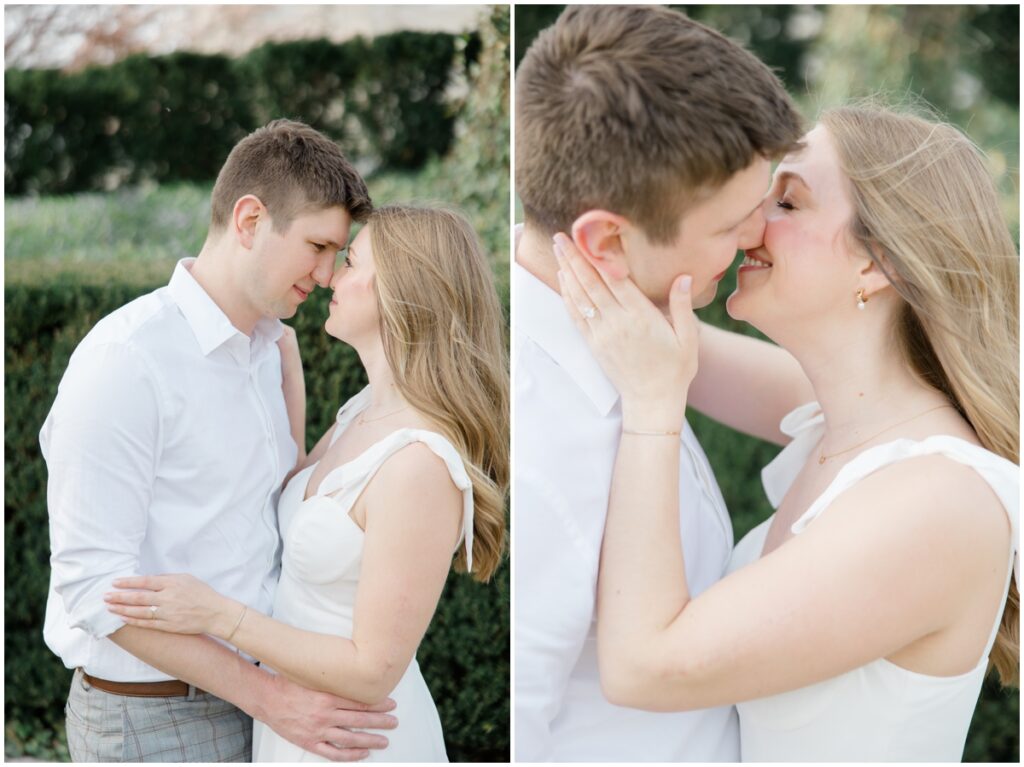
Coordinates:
(271,441)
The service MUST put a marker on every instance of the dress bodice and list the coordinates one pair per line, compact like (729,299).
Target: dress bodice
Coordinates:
(879,711)
(323,545)
(320,567)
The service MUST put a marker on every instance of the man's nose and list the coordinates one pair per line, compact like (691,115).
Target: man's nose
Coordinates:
(323,272)
(752,231)
(334,278)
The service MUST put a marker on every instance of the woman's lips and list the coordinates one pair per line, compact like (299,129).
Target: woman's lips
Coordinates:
(752,263)
(302,293)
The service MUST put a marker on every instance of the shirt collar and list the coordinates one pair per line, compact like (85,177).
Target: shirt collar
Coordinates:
(541,316)
(209,324)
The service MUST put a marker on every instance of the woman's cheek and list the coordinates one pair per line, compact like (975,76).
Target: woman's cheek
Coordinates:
(776,233)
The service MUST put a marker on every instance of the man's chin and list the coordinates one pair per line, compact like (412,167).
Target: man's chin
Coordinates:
(286,312)
(706,296)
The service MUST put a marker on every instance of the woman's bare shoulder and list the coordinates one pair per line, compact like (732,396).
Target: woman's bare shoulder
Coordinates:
(942,503)
(415,476)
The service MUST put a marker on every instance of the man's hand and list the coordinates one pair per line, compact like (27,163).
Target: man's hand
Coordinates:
(324,724)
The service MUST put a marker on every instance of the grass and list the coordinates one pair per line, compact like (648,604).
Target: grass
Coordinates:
(149,223)
(147,229)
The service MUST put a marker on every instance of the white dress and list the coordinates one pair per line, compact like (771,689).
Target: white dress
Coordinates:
(878,712)
(320,567)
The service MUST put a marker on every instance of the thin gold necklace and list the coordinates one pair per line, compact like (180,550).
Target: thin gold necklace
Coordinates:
(822,457)
(381,417)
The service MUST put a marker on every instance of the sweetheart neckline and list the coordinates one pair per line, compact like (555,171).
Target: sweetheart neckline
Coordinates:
(334,501)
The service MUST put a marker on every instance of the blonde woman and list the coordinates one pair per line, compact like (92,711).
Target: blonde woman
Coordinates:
(858,623)
(412,473)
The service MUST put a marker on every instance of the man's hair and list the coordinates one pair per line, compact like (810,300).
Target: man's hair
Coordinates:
(641,111)
(292,169)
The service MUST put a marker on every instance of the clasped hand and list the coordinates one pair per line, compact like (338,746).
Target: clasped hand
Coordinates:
(184,605)
(649,360)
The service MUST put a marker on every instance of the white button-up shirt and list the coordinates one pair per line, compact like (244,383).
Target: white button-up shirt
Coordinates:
(166,448)
(567,428)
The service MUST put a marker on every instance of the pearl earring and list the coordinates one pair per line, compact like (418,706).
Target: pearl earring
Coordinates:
(861,300)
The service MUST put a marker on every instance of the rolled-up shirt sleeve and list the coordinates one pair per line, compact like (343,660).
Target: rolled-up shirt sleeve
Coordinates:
(101,444)
(555,580)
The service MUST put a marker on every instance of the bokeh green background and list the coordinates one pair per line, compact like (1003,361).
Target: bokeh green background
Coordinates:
(964,62)
(71,259)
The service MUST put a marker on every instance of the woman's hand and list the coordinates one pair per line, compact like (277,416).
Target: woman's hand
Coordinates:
(651,361)
(184,605)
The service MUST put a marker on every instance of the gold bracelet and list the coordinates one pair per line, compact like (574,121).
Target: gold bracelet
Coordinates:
(245,609)
(643,433)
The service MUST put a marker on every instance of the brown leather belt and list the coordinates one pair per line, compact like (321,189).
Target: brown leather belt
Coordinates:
(172,688)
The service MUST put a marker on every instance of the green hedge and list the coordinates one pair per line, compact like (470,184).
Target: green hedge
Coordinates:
(465,655)
(476,171)
(175,117)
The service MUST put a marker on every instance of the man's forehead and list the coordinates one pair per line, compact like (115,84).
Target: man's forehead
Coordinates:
(743,192)
(328,224)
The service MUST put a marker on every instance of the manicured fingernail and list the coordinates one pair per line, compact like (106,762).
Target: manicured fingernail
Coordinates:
(559,253)
(684,284)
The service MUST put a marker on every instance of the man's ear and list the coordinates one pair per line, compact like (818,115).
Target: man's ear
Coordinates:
(598,235)
(247,212)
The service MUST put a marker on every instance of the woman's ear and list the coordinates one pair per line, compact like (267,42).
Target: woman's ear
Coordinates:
(247,212)
(874,272)
(598,235)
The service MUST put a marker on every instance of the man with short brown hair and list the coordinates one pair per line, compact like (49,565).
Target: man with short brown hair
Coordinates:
(292,169)
(646,137)
(166,449)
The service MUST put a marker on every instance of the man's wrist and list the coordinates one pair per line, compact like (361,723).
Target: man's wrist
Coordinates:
(255,693)
(263,694)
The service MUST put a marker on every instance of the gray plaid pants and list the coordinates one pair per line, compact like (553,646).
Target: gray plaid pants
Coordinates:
(103,727)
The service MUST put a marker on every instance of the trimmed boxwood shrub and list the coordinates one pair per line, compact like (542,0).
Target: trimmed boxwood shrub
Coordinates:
(308,80)
(164,118)
(465,655)
(175,117)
